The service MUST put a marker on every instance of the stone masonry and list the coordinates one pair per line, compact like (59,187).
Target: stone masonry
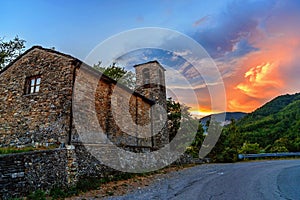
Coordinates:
(37,105)
(40,118)
(25,172)
(45,117)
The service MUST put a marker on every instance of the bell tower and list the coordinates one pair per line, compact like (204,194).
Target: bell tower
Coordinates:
(150,82)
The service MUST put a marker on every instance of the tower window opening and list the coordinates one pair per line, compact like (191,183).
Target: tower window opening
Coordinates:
(146,76)
(160,77)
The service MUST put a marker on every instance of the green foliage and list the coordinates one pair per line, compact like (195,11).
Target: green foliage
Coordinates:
(194,148)
(275,127)
(226,149)
(9,150)
(88,184)
(117,73)
(10,50)
(37,195)
(271,108)
(280,146)
(249,148)
(174,117)
(59,193)
(234,136)
(15,199)
(180,121)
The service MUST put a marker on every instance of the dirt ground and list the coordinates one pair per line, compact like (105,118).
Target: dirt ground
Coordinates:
(118,188)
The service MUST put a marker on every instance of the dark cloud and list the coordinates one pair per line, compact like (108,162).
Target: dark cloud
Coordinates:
(234,25)
(256,45)
(241,48)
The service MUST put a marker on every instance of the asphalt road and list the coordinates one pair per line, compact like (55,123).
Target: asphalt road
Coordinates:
(259,180)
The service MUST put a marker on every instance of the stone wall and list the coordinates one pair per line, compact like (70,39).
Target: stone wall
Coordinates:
(103,111)
(185,159)
(42,117)
(24,172)
(89,166)
(101,106)
(45,117)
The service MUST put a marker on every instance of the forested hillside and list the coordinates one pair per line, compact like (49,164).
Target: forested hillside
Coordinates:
(275,127)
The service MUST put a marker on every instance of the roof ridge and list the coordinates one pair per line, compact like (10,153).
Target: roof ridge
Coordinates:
(79,63)
(41,48)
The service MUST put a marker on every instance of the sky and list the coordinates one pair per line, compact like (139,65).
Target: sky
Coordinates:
(255,44)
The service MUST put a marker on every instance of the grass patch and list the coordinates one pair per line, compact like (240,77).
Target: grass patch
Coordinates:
(11,150)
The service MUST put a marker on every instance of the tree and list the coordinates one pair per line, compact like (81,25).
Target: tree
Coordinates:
(117,73)
(182,128)
(249,148)
(228,144)
(280,145)
(220,152)
(174,117)
(10,50)
(194,148)
(234,136)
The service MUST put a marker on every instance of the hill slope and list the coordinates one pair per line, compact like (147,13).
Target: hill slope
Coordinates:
(278,121)
(275,127)
(270,108)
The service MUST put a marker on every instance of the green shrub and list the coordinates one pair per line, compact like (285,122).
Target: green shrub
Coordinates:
(58,193)
(88,184)
(37,195)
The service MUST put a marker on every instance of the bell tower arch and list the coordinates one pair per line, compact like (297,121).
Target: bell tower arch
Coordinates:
(150,82)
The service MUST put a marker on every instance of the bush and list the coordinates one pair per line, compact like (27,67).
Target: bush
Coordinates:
(249,148)
(37,195)
(57,193)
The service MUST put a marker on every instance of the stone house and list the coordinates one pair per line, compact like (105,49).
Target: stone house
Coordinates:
(37,94)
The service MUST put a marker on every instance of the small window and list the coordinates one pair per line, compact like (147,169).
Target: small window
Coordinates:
(32,84)
(146,76)
(160,77)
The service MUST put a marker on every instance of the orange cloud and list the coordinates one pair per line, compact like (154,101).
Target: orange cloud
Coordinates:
(262,75)
(257,78)
(257,51)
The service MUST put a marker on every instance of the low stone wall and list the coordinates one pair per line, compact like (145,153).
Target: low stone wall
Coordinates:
(22,173)
(187,159)
(89,166)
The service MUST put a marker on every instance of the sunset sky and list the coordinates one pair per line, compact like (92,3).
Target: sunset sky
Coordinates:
(254,43)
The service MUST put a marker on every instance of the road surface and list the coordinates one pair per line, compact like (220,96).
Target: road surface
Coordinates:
(260,180)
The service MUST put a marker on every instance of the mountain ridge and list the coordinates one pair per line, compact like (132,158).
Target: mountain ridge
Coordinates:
(228,116)
(278,120)
(272,128)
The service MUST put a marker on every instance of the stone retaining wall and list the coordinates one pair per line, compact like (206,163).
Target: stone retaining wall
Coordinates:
(24,172)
